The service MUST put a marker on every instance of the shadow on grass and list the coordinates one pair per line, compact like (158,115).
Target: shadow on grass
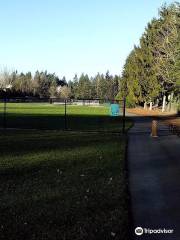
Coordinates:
(63,186)
(58,122)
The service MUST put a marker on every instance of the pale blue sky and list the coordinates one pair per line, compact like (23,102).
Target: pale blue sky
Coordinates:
(71,36)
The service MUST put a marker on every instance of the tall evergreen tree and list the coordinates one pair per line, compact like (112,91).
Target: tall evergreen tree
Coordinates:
(152,70)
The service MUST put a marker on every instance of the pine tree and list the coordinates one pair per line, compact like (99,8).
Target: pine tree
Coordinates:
(152,70)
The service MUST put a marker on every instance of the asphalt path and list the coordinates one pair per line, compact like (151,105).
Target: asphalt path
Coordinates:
(154,180)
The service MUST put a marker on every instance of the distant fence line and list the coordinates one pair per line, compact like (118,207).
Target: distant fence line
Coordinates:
(54,99)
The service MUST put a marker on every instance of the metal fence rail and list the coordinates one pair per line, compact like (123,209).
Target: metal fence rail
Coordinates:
(62,114)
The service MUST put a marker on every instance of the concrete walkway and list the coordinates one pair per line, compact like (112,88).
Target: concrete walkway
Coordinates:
(154,178)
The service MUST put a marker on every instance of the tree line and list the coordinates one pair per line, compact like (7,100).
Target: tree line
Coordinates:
(151,74)
(46,85)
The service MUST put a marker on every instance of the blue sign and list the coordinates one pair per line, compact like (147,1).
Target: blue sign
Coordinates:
(114,109)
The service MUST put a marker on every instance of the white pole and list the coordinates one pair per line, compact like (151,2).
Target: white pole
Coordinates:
(145,105)
(150,107)
(164,103)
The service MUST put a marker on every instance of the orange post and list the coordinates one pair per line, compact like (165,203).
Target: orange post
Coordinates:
(154,128)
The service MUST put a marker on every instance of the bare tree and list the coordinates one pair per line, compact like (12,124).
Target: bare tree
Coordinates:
(6,79)
(65,92)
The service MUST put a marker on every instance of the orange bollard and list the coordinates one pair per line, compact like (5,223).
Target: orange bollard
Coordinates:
(154,128)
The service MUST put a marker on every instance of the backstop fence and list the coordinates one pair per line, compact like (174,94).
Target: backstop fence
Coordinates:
(63,114)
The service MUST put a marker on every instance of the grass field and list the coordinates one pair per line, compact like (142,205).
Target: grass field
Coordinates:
(62,185)
(51,116)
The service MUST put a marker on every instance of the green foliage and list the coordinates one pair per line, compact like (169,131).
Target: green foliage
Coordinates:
(44,84)
(101,86)
(153,68)
(130,103)
(84,87)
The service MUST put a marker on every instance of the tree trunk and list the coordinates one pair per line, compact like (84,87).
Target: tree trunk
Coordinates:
(145,105)
(150,107)
(164,103)
(157,102)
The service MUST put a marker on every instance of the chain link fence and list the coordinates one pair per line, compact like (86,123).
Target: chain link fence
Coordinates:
(63,114)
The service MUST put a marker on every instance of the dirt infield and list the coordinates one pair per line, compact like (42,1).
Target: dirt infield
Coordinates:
(147,112)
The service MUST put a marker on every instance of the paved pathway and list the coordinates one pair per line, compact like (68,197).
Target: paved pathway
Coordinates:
(154,175)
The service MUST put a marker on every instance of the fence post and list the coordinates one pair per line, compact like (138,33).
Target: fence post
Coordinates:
(65,115)
(124,115)
(4,115)
(50,100)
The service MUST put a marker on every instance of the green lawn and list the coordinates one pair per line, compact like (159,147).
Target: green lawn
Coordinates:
(68,186)
(51,116)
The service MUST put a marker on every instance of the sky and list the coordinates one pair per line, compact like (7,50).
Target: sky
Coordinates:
(69,37)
